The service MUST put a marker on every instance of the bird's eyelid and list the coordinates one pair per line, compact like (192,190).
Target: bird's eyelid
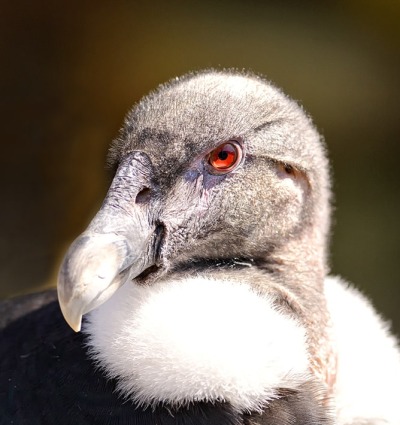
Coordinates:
(232,139)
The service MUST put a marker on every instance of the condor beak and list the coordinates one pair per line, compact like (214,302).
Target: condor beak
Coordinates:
(117,246)
(95,266)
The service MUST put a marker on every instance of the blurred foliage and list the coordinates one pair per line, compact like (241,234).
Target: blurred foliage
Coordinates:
(70,71)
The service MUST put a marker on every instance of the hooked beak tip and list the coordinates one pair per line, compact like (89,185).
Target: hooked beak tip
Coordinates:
(95,266)
(75,322)
(77,325)
(93,269)
(72,314)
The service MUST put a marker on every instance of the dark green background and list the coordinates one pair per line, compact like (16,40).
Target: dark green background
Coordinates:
(70,71)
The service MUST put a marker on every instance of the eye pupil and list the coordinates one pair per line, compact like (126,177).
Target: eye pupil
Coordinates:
(225,157)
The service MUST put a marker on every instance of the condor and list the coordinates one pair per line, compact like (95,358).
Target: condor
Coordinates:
(202,281)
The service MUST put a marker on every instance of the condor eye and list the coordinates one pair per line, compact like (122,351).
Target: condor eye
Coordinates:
(225,157)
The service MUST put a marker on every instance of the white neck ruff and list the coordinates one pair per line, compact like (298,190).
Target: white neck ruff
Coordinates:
(197,339)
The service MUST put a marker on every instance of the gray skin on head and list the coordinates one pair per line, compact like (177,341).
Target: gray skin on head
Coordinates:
(244,213)
(174,214)
(251,212)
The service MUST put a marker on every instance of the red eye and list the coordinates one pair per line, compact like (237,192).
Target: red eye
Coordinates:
(225,157)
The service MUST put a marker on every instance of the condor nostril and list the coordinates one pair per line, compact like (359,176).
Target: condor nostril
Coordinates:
(143,196)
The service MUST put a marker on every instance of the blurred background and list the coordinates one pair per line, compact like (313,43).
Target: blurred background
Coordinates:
(71,70)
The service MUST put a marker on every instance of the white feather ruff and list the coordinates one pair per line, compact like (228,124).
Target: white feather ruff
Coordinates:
(368,372)
(197,339)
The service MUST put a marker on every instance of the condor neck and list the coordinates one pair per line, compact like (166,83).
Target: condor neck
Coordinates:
(302,260)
